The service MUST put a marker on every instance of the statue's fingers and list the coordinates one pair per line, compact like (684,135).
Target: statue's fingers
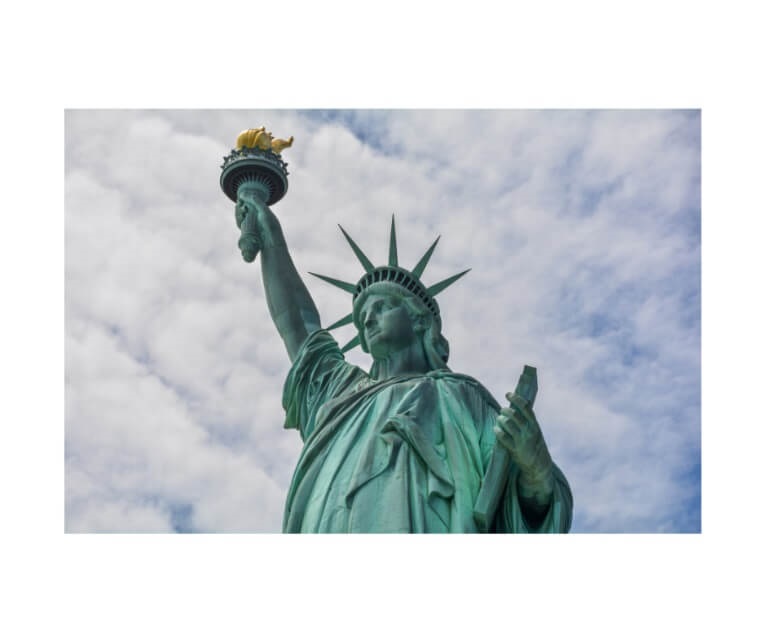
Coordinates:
(517,400)
(521,405)
(510,424)
(505,439)
(519,428)
(513,414)
(504,421)
(510,414)
(523,430)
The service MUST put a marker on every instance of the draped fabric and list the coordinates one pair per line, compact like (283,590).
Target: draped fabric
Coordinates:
(404,455)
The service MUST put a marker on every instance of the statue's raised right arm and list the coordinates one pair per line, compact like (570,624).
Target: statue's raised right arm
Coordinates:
(290,304)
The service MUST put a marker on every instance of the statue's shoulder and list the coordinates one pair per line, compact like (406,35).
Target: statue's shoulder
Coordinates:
(463,381)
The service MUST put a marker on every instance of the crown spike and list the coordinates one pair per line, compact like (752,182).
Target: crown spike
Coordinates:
(441,285)
(341,322)
(343,285)
(351,344)
(366,263)
(393,258)
(418,269)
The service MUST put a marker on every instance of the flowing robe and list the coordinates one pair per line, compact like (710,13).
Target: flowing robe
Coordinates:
(403,455)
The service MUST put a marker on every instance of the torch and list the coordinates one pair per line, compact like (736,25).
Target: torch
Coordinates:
(256,165)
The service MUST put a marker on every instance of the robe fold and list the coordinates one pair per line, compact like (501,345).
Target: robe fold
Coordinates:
(404,455)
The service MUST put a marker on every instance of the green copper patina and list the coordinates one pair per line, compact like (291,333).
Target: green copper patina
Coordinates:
(409,447)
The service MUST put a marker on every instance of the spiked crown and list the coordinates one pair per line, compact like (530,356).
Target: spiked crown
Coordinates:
(392,275)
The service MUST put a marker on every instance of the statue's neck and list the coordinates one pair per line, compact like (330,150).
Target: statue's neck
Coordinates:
(409,360)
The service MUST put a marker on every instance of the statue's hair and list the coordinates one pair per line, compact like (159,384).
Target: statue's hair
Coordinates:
(435,345)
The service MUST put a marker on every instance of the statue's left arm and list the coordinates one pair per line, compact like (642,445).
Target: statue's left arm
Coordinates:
(537,482)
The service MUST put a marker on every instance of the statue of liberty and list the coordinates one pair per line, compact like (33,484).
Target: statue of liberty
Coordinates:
(410,446)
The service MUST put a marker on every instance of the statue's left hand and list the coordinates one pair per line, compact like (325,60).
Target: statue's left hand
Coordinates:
(516,429)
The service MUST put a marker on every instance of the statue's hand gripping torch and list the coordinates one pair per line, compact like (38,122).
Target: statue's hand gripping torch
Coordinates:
(247,221)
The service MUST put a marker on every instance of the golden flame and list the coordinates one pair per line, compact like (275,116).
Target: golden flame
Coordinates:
(261,139)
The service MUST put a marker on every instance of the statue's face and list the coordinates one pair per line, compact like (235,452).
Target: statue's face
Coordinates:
(387,325)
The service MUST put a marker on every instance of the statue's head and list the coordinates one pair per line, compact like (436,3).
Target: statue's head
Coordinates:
(389,318)
(389,287)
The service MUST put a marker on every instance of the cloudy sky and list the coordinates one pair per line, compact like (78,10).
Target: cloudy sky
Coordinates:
(582,229)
